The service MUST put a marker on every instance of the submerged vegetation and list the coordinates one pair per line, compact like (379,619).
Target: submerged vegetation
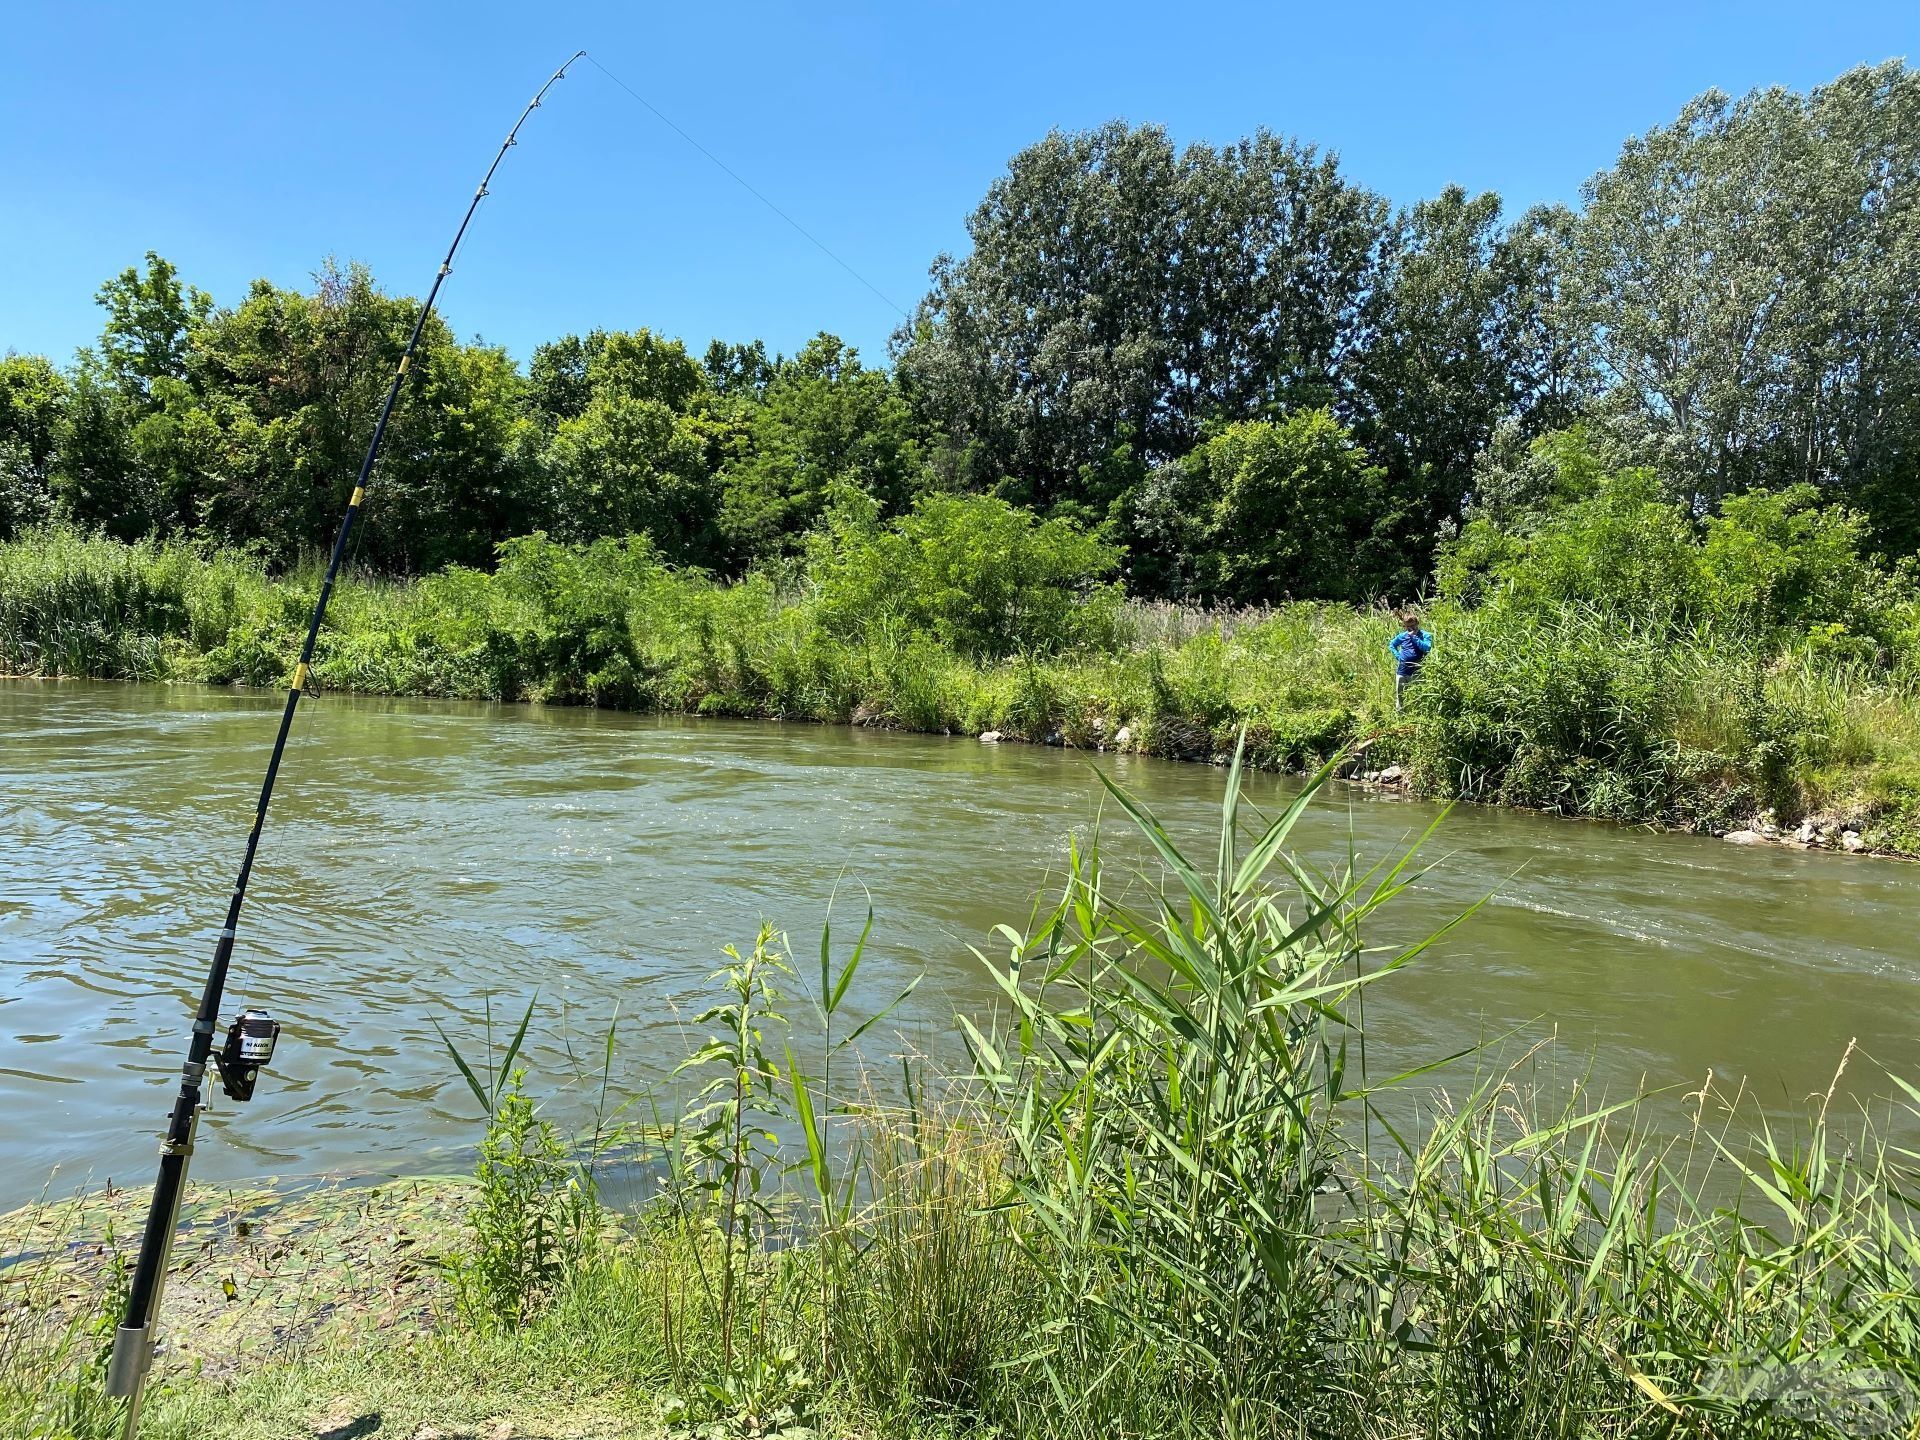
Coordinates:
(1162,1199)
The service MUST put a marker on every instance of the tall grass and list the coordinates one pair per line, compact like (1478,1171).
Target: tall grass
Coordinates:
(1163,1200)
(56,1330)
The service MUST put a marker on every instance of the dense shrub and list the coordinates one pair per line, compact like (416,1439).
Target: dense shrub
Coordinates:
(983,577)
(1769,566)
(1559,709)
(1224,523)
(72,605)
(1791,563)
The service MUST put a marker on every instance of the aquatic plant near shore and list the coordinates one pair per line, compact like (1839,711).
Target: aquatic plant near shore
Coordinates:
(57,1328)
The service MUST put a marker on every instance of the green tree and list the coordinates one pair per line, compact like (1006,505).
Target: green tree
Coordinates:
(1600,536)
(33,399)
(984,577)
(289,386)
(642,456)
(479,487)
(151,320)
(739,370)
(1440,369)
(116,465)
(557,385)
(820,419)
(94,477)
(1121,295)
(1550,354)
(1268,511)
(1751,277)
(1781,560)
(1521,483)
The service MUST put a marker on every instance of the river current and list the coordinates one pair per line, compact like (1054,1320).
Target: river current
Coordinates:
(427,859)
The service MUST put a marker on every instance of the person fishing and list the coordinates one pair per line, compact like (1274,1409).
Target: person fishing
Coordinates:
(1410,650)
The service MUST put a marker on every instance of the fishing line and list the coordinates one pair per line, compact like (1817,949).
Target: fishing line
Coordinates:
(250,1038)
(739,180)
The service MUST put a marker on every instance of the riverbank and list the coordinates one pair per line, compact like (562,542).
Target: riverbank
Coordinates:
(1544,708)
(1200,1225)
(321,1312)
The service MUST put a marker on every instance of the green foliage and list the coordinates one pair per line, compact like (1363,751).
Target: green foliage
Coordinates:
(1223,524)
(1623,661)
(94,477)
(533,1218)
(1568,710)
(1726,310)
(722,1151)
(938,1291)
(55,1339)
(33,398)
(1624,549)
(1467,331)
(818,421)
(151,320)
(1120,294)
(1792,563)
(1768,564)
(639,456)
(536,1215)
(1571,530)
(1744,273)
(74,606)
(1167,1082)
(983,577)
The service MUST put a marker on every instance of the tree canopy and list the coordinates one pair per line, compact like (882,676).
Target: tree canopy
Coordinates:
(1235,368)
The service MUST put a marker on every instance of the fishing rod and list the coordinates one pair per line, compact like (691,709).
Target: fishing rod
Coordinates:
(250,1039)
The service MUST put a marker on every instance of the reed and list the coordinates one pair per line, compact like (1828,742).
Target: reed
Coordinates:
(56,1328)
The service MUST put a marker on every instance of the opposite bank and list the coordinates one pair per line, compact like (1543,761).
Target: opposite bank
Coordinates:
(1558,706)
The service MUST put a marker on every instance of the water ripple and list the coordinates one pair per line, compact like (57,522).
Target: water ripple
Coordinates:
(424,858)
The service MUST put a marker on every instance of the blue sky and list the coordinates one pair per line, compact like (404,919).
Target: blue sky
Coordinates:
(253,140)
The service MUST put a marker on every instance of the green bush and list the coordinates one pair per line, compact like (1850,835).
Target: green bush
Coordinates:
(568,616)
(1560,709)
(1625,549)
(984,578)
(1769,565)
(1790,563)
(1226,522)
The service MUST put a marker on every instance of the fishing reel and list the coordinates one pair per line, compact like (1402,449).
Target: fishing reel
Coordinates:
(249,1047)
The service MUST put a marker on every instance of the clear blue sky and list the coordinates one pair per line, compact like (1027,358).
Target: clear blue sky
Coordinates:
(255,139)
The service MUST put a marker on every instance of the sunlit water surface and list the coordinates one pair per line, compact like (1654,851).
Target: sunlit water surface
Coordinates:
(425,856)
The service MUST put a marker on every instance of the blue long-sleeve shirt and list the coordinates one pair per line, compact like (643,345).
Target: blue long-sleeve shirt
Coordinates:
(1410,648)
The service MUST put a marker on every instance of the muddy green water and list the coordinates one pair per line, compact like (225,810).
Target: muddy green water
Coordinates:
(423,855)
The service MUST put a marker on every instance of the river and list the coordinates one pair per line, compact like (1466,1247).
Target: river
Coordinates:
(423,856)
